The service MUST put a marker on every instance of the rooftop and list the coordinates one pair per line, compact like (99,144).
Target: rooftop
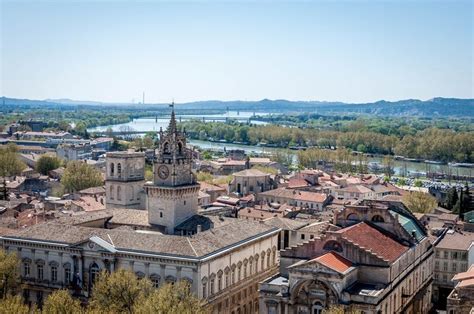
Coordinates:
(335,262)
(374,241)
(453,240)
(228,233)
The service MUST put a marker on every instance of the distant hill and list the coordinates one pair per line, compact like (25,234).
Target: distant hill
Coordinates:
(410,107)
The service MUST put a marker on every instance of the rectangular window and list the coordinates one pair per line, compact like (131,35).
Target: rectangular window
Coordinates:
(204,290)
(437,253)
(454,255)
(445,266)
(26,269)
(455,267)
(436,265)
(67,275)
(445,278)
(445,254)
(40,272)
(302,237)
(54,273)
(212,286)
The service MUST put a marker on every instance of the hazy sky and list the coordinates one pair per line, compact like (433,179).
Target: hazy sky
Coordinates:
(354,51)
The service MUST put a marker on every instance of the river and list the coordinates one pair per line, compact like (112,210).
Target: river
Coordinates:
(152,124)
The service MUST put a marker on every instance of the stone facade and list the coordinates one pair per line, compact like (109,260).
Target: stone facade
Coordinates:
(251,181)
(125,177)
(362,266)
(173,196)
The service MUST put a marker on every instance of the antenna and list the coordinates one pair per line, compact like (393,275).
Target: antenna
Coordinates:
(143,101)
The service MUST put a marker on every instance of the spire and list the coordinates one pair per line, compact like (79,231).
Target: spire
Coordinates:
(172,126)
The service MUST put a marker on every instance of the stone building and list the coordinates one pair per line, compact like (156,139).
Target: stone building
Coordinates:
(304,199)
(451,257)
(173,196)
(251,181)
(223,259)
(124,179)
(380,260)
(70,152)
(461,299)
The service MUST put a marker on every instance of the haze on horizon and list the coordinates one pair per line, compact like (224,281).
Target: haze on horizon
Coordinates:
(354,51)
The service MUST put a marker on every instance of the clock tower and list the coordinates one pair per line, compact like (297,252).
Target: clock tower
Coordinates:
(173,196)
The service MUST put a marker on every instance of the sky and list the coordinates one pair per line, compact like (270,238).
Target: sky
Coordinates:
(351,51)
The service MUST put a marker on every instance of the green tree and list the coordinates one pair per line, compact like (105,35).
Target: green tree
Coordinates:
(47,163)
(418,183)
(119,292)
(420,202)
(78,176)
(10,165)
(80,128)
(8,272)
(171,299)
(61,302)
(13,304)
(451,198)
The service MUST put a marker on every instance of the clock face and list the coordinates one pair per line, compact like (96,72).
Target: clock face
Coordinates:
(163,172)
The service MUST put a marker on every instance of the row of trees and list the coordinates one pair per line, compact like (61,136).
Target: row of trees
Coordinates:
(77,175)
(117,292)
(432,143)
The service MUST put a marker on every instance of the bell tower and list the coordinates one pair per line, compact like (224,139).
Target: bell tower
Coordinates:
(174,194)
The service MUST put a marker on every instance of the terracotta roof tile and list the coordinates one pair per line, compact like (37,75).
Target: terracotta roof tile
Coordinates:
(334,261)
(370,239)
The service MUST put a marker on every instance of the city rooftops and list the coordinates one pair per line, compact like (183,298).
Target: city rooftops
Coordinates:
(229,233)
(453,240)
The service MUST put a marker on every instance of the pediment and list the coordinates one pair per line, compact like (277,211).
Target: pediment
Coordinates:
(313,266)
(96,244)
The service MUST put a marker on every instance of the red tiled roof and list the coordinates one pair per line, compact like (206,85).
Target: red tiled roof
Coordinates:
(370,239)
(334,261)
(297,183)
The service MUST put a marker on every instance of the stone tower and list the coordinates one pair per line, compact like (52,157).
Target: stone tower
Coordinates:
(125,177)
(173,197)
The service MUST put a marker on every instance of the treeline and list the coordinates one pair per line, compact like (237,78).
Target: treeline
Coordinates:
(431,143)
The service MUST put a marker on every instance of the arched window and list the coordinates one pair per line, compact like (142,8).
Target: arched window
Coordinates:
(140,275)
(54,271)
(180,148)
(219,280)
(233,274)
(204,287)
(94,272)
(170,279)
(155,280)
(332,245)
(318,308)
(67,273)
(352,217)
(274,256)
(40,269)
(112,169)
(256,262)
(119,193)
(119,169)
(262,261)
(268,258)
(111,192)
(377,218)
(26,267)
(166,148)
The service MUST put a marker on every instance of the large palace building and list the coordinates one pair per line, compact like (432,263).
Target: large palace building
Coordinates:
(376,259)
(223,259)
